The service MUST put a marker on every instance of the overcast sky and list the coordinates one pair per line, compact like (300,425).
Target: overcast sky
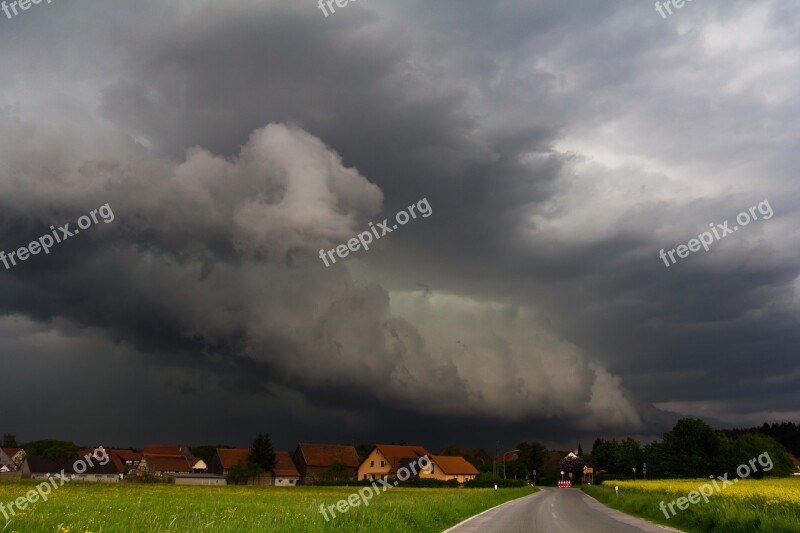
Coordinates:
(560,145)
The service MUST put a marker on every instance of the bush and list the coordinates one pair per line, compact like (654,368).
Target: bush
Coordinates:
(490,482)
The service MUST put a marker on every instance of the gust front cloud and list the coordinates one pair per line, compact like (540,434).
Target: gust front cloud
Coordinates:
(221,252)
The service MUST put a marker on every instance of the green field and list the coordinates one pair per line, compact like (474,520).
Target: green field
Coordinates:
(769,505)
(95,508)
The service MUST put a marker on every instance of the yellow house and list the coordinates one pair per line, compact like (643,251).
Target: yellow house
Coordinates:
(445,468)
(383,461)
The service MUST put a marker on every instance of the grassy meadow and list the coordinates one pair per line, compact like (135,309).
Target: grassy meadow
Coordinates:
(768,505)
(89,507)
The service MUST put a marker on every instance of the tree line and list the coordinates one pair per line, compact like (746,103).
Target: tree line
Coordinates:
(692,449)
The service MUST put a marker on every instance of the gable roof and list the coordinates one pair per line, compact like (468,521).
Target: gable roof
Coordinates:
(11,452)
(284,466)
(230,457)
(454,465)
(327,454)
(395,452)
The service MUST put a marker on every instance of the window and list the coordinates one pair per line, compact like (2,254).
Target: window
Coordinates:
(291,482)
(372,464)
(383,463)
(373,477)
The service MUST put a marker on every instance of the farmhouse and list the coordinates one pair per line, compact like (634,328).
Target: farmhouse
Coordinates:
(227,458)
(285,472)
(160,459)
(316,462)
(129,458)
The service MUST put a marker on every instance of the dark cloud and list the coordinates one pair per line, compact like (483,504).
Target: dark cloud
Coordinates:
(560,147)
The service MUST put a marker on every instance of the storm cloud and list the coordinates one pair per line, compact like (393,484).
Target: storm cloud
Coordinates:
(560,147)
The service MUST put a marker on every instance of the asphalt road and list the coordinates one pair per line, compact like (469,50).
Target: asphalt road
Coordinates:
(556,511)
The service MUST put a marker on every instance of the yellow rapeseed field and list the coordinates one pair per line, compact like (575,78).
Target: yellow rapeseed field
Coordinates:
(772,491)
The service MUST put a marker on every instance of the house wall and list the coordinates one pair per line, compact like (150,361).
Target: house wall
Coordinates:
(284,481)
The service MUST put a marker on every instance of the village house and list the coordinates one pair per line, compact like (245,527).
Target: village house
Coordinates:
(6,463)
(447,468)
(285,472)
(317,462)
(227,458)
(161,459)
(129,458)
(11,458)
(384,460)
(35,467)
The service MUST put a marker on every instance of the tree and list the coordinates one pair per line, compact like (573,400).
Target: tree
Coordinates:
(572,464)
(580,450)
(691,450)
(765,450)
(606,455)
(239,473)
(10,441)
(262,456)
(531,456)
(630,457)
(207,451)
(337,471)
(452,451)
(62,452)
(363,450)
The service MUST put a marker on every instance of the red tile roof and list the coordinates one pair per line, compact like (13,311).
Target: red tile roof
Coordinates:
(11,452)
(284,466)
(230,457)
(325,455)
(454,465)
